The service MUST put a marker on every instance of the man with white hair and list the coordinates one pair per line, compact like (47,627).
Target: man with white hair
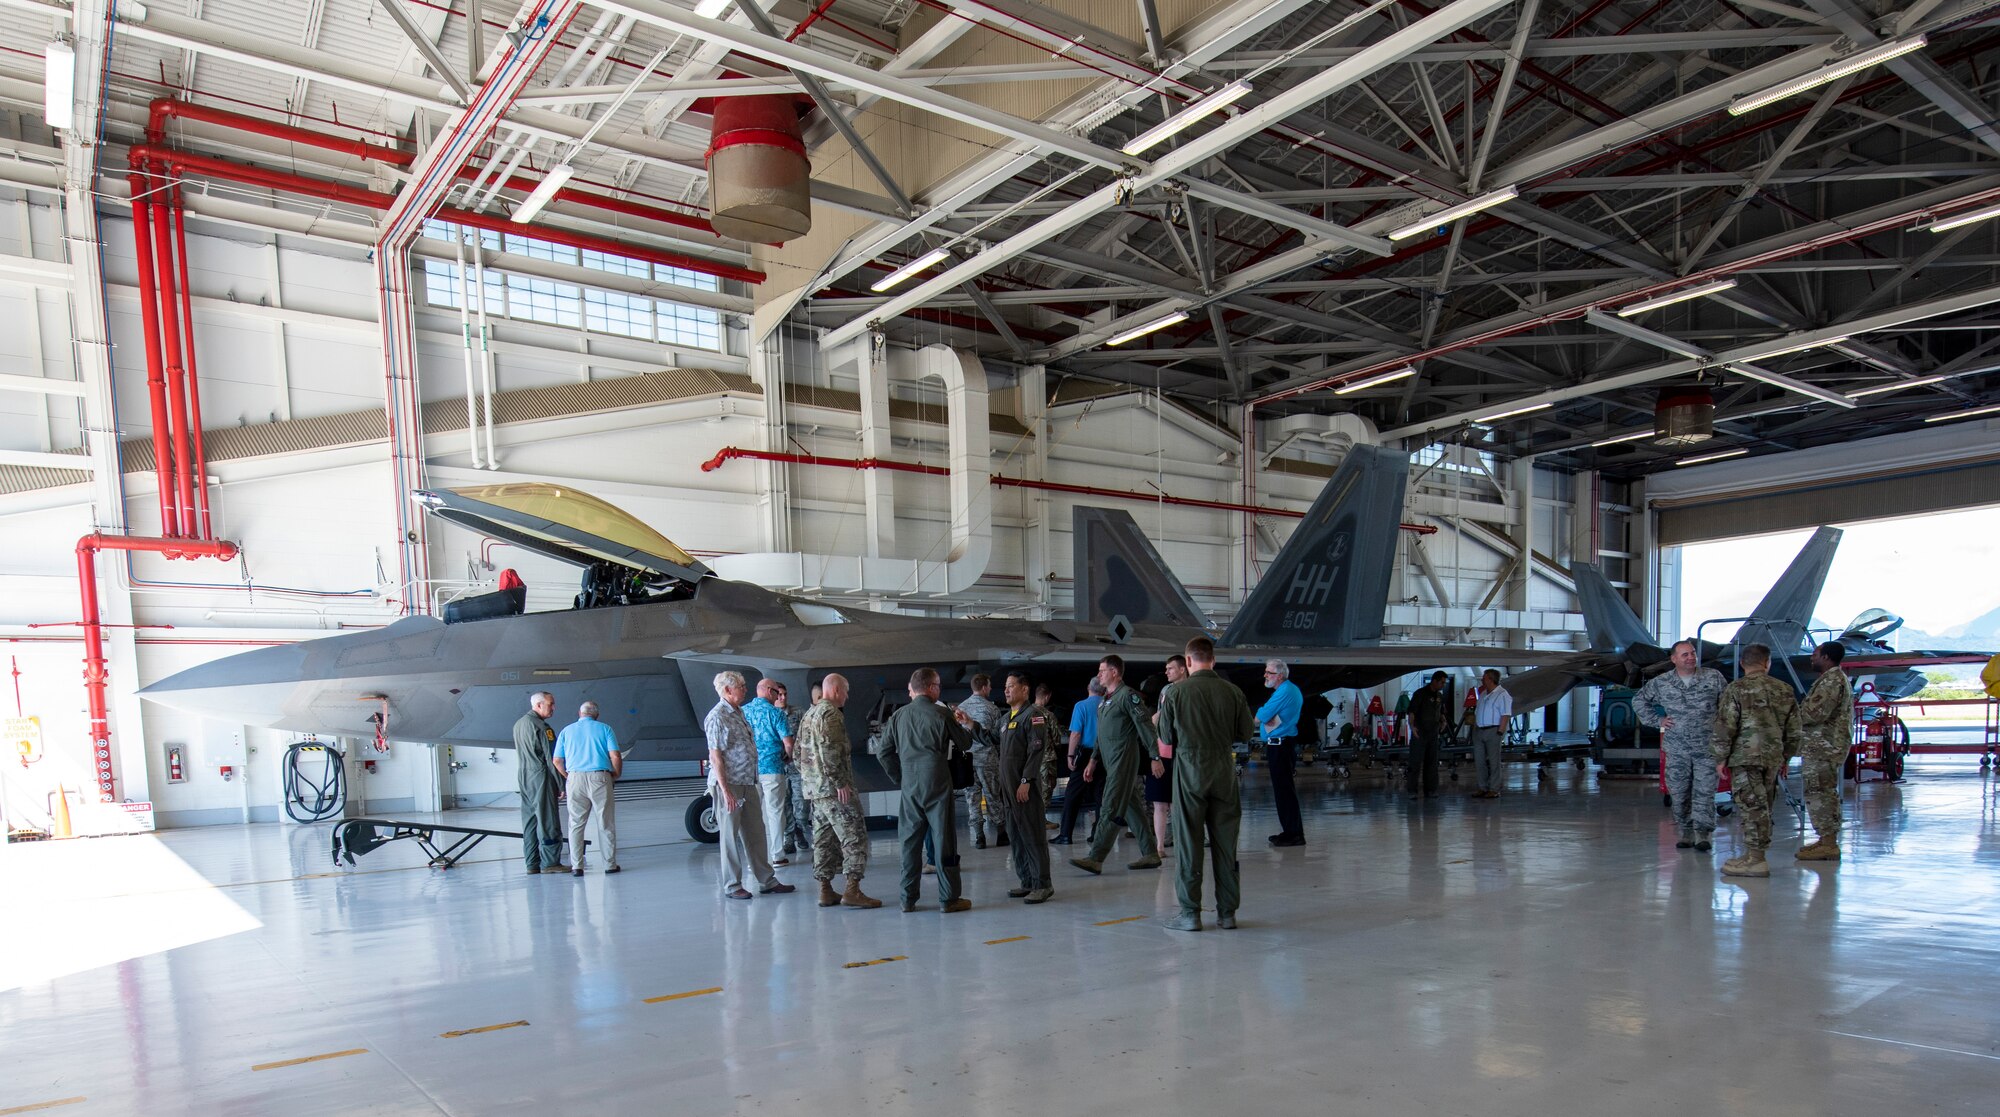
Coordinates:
(1278,724)
(589,760)
(732,786)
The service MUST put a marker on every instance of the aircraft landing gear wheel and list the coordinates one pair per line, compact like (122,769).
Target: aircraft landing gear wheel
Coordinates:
(1579,763)
(702,825)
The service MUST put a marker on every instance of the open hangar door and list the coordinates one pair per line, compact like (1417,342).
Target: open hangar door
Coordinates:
(1874,479)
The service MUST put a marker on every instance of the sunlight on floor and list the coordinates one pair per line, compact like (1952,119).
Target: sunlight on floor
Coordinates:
(77,905)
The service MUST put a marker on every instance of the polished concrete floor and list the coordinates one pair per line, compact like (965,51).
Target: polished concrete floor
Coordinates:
(1550,952)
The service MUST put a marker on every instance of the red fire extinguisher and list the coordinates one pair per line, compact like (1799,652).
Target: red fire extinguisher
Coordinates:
(175,773)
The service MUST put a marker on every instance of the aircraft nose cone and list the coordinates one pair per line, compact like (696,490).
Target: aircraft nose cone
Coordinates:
(251,687)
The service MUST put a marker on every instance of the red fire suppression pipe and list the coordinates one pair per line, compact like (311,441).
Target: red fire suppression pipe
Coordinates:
(353,195)
(164,108)
(93,638)
(170,344)
(196,466)
(149,311)
(729,453)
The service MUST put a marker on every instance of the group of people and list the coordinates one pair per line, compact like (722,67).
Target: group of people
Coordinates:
(782,780)
(1750,729)
(1010,747)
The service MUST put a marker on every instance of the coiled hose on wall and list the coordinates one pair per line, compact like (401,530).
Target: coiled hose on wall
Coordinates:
(314,800)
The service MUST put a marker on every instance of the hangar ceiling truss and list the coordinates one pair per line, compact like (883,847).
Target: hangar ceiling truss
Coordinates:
(1296,242)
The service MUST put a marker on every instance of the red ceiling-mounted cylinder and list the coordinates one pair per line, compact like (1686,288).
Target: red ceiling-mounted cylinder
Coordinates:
(759,182)
(1684,417)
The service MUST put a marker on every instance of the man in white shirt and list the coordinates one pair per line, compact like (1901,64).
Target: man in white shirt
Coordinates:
(1489,733)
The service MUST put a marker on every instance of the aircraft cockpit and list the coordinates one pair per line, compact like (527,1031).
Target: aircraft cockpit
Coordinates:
(1874,626)
(624,562)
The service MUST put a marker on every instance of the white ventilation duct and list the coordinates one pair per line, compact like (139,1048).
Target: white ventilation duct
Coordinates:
(1336,433)
(951,570)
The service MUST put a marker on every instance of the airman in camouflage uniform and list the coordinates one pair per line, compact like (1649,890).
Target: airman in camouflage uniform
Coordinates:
(1826,732)
(826,770)
(1681,705)
(1756,736)
(986,800)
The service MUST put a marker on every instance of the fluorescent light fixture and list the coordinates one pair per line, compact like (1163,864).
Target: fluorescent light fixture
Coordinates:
(1616,439)
(1989,409)
(1672,297)
(1963,219)
(1897,386)
(1462,209)
(59,85)
(1799,348)
(907,270)
(1852,64)
(1736,453)
(1174,319)
(1375,381)
(1528,410)
(1172,126)
(1790,384)
(545,190)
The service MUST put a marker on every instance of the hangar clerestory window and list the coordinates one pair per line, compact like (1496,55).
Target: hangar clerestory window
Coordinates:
(533,299)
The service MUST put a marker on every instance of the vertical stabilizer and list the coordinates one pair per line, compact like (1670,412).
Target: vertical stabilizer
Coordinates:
(1329,586)
(1783,619)
(1608,618)
(1119,573)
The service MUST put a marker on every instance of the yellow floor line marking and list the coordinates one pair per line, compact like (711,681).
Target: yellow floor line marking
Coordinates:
(487,1028)
(1016,938)
(681,996)
(310,1059)
(40,1105)
(1127,919)
(874,962)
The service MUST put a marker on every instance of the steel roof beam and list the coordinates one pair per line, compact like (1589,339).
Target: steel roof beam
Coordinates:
(1385,52)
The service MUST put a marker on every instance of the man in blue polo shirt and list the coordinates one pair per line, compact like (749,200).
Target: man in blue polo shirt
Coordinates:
(588,758)
(772,731)
(1278,723)
(1081,794)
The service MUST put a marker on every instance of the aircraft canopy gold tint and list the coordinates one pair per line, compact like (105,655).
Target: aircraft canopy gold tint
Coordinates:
(562,522)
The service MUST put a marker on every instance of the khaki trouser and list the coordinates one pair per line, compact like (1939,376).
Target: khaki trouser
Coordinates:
(743,862)
(776,792)
(588,792)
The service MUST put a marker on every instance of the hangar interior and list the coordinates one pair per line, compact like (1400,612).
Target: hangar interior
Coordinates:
(860,300)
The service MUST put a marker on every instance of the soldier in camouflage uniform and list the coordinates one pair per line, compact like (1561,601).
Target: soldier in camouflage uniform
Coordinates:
(1756,736)
(1046,699)
(985,801)
(1826,735)
(826,769)
(1681,705)
(798,820)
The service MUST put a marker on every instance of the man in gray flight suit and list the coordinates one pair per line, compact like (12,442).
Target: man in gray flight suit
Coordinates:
(1125,743)
(1826,731)
(1202,717)
(541,826)
(1026,734)
(917,745)
(1681,705)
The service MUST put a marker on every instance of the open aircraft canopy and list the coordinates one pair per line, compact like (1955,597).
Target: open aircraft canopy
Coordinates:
(562,523)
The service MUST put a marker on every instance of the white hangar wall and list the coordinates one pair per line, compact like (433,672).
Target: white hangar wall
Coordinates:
(291,380)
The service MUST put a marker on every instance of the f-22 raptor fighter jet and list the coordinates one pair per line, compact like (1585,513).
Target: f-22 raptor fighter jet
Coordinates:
(653,625)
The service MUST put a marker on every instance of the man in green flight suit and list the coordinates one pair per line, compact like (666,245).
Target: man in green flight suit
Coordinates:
(1202,717)
(1826,731)
(1125,742)
(917,744)
(1027,732)
(541,825)
(1756,736)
